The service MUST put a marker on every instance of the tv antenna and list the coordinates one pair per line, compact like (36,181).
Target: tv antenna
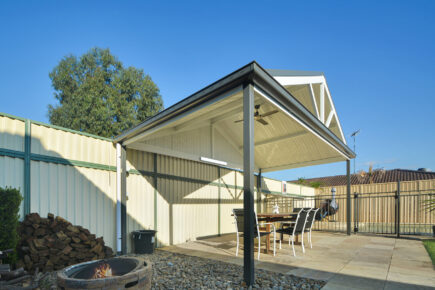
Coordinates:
(354,146)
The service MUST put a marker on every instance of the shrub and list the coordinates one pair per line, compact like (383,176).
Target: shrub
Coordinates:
(10,200)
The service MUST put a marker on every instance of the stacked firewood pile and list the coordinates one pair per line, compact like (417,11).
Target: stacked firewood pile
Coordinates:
(53,243)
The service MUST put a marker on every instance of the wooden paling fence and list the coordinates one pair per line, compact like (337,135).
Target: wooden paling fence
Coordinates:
(393,212)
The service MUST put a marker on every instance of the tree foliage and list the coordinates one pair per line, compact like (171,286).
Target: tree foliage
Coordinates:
(10,200)
(98,95)
(315,184)
(301,180)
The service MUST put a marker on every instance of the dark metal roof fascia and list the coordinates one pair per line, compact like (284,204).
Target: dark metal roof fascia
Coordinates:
(238,77)
(267,83)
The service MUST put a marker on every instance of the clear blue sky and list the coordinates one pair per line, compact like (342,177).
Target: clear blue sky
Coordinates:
(378,58)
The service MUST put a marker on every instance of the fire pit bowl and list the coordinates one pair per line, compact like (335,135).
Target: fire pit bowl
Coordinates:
(113,273)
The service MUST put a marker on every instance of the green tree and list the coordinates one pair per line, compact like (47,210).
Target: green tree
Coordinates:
(316,184)
(10,200)
(98,95)
(301,180)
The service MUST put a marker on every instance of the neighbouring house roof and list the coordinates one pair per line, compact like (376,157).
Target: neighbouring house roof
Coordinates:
(377,176)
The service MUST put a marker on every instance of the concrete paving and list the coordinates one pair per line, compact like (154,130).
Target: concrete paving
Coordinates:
(345,262)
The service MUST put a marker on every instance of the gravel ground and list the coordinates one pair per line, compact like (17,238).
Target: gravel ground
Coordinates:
(177,271)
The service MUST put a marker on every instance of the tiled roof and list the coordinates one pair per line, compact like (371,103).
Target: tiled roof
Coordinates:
(377,176)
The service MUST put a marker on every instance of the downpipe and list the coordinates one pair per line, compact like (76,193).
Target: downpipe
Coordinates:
(118,200)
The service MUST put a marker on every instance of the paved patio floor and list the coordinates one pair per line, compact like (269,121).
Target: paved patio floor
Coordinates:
(345,262)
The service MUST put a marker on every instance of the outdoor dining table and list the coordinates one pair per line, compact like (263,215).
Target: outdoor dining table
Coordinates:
(275,217)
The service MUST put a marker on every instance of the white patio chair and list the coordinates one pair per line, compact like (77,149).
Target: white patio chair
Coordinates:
(310,223)
(296,228)
(239,222)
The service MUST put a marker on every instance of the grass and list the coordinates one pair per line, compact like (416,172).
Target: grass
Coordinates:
(430,247)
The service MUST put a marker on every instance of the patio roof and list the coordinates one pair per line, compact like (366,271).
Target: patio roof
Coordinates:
(304,130)
(249,120)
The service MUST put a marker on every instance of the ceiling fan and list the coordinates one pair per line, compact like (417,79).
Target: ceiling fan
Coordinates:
(259,117)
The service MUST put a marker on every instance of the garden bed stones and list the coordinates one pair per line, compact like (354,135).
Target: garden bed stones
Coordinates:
(177,271)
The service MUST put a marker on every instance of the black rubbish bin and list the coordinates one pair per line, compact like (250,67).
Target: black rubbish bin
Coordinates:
(144,241)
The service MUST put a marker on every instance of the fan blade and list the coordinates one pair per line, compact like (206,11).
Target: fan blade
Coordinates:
(263,122)
(269,113)
(238,121)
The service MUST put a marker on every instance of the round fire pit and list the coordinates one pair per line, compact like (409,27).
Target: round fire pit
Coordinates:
(113,273)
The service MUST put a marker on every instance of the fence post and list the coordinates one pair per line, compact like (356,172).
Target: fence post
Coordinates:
(348,204)
(398,209)
(219,200)
(27,153)
(356,212)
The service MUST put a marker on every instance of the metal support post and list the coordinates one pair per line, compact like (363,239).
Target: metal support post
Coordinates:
(348,203)
(356,212)
(248,183)
(123,200)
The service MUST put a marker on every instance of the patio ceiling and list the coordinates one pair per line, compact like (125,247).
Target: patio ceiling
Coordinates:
(304,131)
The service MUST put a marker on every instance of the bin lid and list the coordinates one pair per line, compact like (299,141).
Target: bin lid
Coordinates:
(144,232)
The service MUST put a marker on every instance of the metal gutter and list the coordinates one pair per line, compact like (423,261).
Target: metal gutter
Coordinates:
(118,200)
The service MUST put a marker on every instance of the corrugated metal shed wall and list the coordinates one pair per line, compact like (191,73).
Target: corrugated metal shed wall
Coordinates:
(192,201)
(73,176)
(82,194)
(57,143)
(189,207)
(140,191)
(230,197)
(12,174)
(272,185)
(12,169)
(12,131)
(300,189)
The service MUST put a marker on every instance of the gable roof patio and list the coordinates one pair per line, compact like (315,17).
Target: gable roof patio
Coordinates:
(295,125)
